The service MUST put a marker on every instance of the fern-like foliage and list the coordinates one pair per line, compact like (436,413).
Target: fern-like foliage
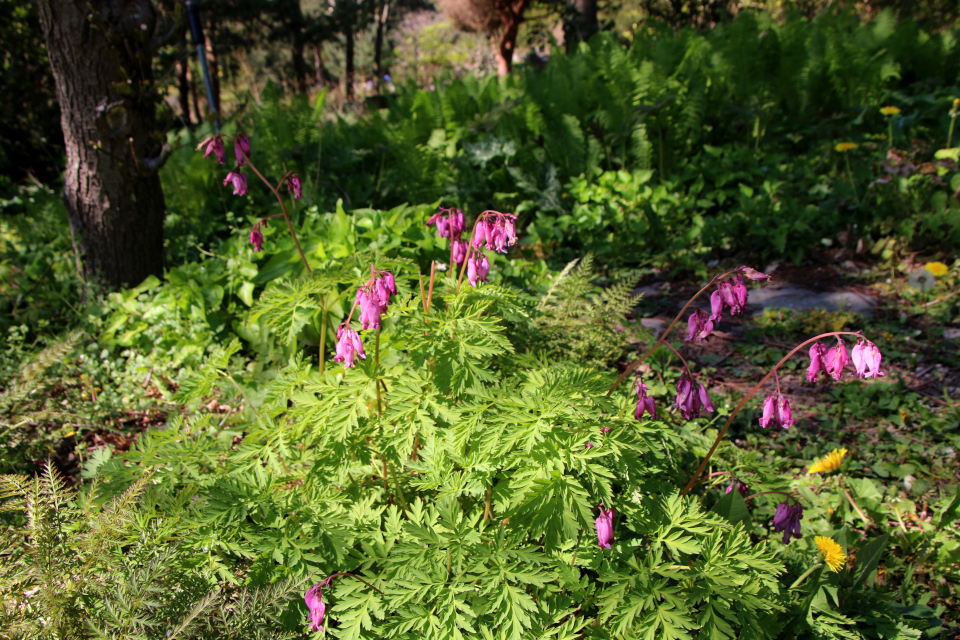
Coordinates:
(583,321)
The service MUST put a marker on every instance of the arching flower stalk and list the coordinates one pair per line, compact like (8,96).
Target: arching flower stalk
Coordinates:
(241,149)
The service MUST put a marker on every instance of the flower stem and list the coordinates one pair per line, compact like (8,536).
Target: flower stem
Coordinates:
(376,364)
(953,119)
(663,337)
(323,339)
(846,159)
(743,401)
(806,574)
(355,577)
(487,509)
(286,216)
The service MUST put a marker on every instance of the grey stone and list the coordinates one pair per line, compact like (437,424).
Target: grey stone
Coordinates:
(791,297)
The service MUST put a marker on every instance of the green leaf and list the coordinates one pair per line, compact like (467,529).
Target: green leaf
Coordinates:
(868,557)
(951,511)
(733,508)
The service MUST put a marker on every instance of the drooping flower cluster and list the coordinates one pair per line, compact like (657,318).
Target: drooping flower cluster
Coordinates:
(214,145)
(496,231)
(373,298)
(239,181)
(692,397)
(450,225)
(787,520)
(477,268)
(645,403)
(699,326)
(605,528)
(294,186)
(866,359)
(776,411)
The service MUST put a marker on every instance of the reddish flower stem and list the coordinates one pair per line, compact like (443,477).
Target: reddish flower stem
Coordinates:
(743,401)
(283,207)
(663,337)
(356,577)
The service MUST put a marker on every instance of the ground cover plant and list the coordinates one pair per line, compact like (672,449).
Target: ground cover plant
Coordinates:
(445,420)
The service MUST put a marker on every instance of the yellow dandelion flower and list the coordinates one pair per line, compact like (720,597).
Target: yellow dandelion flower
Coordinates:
(843,147)
(831,553)
(829,462)
(937,268)
(956,104)
(890,111)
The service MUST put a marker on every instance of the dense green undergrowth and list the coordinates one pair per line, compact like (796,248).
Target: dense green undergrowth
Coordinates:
(457,471)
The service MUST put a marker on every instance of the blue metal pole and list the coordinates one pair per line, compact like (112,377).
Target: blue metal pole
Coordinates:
(196,28)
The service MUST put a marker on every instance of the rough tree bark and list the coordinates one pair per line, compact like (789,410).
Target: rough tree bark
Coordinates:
(100,52)
(582,25)
(348,71)
(378,42)
(183,89)
(511,16)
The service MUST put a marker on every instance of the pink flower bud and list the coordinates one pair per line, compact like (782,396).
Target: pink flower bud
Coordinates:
(241,148)
(645,403)
(370,311)
(742,488)
(479,234)
(836,360)
(716,306)
(866,356)
(753,274)
(477,268)
(256,236)
(605,528)
(293,184)
(458,251)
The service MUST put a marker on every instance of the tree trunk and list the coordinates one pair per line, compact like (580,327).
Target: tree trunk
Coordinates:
(378,42)
(511,16)
(194,96)
(183,89)
(213,64)
(295,26)
(322,75)
(581,26)
(100,52)
(348,67)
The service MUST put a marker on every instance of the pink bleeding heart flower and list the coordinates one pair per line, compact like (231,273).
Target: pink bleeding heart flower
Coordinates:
(370,308)
(348,346)
(239,182)
(692,398)
(605,528)
(439,219)
(645,403)
(256,236)
(477,268)
(589,445)
(836,360)
(818,360)
(214,145)
(480,234)
(776,411)
(294,186)
(456,224)
(458,251)
(699,326)
(241,148)
(314,600)
(730,297)
(740,291)
(716,306)
(753,274)
(866,359)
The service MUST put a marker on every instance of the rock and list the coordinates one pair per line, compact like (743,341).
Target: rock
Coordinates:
(791,297)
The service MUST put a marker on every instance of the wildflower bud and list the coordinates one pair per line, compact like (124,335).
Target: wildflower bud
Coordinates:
(787,520)
(241,148)
(496,241)
(705,399)
(836,360)
(479,234)
(865,355)
(348,346)
(458,251)
(691,400)
(256,236)
(589,445)
(385,286)
(699,326)
(645,403)
(818,358)
(716,306)
(456,224)
(440,220)
(214,145)
(510,229)
(742,488)
(740,291)
(753,274)
(293,185)
(370,310)
(731,298)
(314,600)
(239,182)
(605,528)
(477,268)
